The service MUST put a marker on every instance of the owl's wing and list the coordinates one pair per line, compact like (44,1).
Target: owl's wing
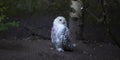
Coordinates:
(67,33)
(66,39)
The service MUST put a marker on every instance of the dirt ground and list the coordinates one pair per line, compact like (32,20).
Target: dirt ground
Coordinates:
(34,48)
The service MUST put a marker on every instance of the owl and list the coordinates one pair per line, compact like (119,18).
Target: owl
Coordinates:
(60,35)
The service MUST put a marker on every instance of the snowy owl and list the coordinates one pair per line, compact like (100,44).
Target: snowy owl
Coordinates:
(60,35)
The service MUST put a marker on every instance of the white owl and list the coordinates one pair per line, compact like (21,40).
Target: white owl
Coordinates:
(60,35)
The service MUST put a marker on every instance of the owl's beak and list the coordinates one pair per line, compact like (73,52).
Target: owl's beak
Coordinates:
(63,22)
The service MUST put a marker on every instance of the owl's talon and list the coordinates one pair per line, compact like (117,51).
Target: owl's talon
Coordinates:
(60,50)
(74,45)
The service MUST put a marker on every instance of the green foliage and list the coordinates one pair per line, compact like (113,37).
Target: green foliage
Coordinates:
(59,7)
(31,6)
(2,11)
(41,7)
(3,15)
(5,26)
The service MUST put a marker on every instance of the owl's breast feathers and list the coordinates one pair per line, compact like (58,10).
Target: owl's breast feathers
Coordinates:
(61,31)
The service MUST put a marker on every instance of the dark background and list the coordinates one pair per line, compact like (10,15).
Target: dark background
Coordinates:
(30,40)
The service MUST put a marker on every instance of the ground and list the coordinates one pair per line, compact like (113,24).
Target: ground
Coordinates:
(34,48)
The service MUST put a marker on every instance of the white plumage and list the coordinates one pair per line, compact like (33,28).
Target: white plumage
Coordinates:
(60,34)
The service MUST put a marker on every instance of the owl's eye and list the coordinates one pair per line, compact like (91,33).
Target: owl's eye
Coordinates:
(60,20)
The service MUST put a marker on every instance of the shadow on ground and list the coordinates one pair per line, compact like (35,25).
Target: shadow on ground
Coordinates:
(33,48)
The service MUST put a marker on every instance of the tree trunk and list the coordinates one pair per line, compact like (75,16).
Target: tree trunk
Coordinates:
(75,22)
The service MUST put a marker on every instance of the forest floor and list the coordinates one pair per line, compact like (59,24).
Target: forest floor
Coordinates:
(34,48)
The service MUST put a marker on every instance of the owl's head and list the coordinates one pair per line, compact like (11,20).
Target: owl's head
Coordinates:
(60,20)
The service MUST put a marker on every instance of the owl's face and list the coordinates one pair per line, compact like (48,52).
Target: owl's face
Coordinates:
(60,20)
